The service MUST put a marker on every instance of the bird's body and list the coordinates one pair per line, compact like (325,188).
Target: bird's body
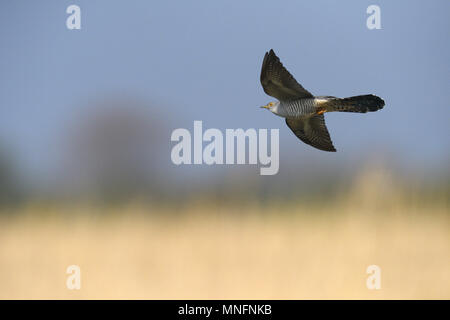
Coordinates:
(303,111)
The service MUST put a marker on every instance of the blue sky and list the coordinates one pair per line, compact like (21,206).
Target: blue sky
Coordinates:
(200,60)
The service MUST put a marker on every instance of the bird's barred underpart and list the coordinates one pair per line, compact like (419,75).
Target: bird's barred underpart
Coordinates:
(297,108)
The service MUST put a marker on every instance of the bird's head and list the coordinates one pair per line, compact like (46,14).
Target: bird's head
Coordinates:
(272,106)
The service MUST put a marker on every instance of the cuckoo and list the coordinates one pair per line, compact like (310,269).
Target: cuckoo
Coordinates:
(303,112)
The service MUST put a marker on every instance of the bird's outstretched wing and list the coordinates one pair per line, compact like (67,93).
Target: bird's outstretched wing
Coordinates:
(278,82)
(313,131)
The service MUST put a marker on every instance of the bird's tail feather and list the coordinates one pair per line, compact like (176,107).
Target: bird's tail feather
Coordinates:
(361,104)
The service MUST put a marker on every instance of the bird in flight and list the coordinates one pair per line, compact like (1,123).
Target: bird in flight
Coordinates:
(303,111)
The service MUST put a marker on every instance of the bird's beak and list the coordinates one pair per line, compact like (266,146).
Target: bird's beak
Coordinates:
(265,107)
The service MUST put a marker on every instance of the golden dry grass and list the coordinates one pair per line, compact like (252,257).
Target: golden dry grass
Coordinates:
(275,252)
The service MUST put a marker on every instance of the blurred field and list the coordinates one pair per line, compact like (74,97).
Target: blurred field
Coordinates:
(280,251)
